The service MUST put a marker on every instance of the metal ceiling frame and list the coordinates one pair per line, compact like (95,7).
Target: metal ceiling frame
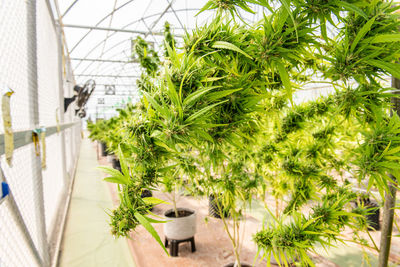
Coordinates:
(126,26)
(107,66)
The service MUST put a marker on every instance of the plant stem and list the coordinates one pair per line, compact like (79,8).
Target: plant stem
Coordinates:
(387,227)
(233,240)
(390,199)
(174,203)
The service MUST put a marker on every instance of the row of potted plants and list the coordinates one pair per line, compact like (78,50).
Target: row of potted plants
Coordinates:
(217,117)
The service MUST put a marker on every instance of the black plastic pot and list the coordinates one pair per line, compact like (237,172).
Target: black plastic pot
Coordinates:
(103,149)
(373,217)
(213,210)
(373,210)
(241,264)
(146,193)
(116,164)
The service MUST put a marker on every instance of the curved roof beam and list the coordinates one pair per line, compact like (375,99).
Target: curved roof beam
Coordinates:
(130,24)
(100,21)
(69,8)
(119,68)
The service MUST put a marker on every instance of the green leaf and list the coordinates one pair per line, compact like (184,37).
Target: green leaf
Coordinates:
(202,111)
(217,95)
(392,68)
(351,7)
(154,201)
(115,179)
(196,94)
(205,7)
(205,135)
(393,151)
(230,46)
(163,112)
(385,38)
(161,143)
(143,221)
(122,160)
(213,79)
(285,78)
(172,92)
(151,220)
(245,7)
(286,5)
(115,175)
(363,31)
(280,20)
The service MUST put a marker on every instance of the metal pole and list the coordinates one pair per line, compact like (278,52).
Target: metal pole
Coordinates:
(106,75)
(390,201)
(61,105)
(105,60)
(20,221)
(109,29)
(56,229)
(38,198)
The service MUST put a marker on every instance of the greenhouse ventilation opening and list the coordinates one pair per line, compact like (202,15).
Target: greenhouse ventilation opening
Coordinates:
(173,104)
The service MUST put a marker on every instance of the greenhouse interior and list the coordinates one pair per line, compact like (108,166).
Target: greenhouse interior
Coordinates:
(207,133)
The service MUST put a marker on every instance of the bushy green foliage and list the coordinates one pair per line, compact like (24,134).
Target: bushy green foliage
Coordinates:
(218,116)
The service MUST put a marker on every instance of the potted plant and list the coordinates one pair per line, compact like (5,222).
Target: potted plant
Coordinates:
(230,92)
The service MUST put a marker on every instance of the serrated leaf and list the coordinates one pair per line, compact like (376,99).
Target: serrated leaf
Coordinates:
(143,221)
(229,46)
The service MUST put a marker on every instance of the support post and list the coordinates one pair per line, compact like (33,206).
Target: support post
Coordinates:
(38,198)
(61,104)
(390,200)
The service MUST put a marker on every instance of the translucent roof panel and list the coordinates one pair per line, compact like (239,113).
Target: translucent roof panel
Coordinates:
(99,34)
(95,51)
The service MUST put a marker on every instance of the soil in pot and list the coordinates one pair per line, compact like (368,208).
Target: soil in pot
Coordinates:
(181,213)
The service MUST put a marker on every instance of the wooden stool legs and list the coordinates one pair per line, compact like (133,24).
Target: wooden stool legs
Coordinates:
(174,245)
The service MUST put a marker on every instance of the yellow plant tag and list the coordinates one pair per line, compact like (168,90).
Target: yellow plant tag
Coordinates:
(8,133)
(43,139)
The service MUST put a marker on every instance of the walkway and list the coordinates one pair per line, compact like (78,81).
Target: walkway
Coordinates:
(87,239)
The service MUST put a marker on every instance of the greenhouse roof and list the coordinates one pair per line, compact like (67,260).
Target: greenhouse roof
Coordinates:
(99,36)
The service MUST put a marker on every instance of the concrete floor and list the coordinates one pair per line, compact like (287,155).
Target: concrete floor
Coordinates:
(87,240)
